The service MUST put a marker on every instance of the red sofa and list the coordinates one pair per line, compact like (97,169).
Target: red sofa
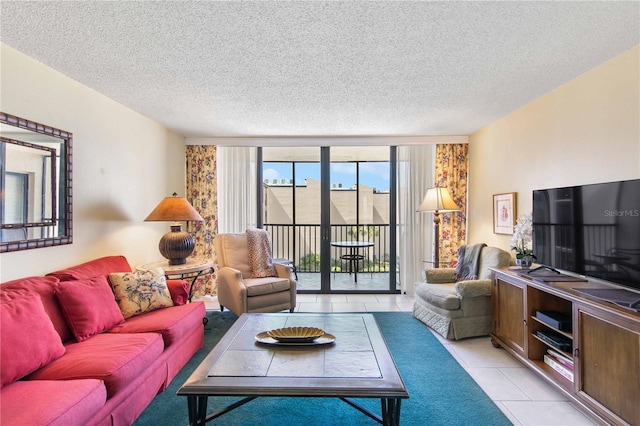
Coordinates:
(64,362)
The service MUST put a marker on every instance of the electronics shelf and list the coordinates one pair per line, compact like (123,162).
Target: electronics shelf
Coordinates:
(598,341)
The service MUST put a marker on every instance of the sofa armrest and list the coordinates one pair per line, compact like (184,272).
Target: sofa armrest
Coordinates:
(473,288)
(179,290)
(232,292)
(230,276)
(285,271)
(440,275)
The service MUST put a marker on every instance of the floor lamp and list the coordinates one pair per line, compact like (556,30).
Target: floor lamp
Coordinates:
(437,200)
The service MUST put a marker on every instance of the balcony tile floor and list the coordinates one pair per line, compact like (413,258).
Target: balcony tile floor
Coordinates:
(522,396)
(378,281)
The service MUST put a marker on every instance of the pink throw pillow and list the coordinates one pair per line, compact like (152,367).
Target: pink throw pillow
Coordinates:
(45,287)
(179,290)
(29,340)
(89,306)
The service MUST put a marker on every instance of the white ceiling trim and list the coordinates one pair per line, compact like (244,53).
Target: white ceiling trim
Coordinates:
(328,141)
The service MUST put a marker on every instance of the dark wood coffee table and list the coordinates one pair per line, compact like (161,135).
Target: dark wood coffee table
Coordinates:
(357,365)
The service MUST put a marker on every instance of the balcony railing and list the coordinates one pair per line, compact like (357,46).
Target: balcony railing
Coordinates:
(301,244)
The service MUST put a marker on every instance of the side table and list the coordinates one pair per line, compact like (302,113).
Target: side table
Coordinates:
(193,269)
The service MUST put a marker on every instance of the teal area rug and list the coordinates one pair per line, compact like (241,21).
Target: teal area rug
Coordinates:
(441,392)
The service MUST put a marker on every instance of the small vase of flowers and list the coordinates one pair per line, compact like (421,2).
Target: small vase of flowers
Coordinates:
(522,239)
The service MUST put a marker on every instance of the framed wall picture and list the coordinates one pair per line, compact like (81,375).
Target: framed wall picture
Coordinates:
(504,213)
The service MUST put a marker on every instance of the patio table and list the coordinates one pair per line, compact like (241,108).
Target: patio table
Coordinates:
(353,256)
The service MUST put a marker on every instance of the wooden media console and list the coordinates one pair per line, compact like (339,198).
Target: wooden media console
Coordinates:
(601,342)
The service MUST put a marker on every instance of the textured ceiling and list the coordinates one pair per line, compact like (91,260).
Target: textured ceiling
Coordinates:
(208,69)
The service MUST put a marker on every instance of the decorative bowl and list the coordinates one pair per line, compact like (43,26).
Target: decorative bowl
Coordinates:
(296,334)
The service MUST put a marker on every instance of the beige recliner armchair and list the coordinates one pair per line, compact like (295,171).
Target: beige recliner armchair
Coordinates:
(460,309)
(239,292)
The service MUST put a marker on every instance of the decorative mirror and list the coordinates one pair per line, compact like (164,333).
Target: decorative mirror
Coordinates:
(35,185)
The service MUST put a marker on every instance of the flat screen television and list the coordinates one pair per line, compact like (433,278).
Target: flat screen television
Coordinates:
(592,230)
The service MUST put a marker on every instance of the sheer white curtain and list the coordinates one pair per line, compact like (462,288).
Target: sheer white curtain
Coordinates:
(236,188)
(416,166)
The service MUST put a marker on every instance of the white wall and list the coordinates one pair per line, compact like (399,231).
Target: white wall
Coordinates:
(586,131)
(123,165)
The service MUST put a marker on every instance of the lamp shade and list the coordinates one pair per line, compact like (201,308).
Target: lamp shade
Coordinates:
(177,244)
(438,200)
(173,209)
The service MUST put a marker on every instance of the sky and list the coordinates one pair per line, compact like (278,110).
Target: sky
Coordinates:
(372,174)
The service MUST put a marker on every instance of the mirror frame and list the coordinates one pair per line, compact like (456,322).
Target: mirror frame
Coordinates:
(66,185)
(51,153)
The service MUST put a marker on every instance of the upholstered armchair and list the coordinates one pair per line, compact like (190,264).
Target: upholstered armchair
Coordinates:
(243,288)
(454,308)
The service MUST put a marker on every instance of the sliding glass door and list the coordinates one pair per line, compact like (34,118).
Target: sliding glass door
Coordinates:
(291,209)
(329,211)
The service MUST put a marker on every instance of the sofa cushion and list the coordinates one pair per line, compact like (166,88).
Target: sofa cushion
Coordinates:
(441,295)
(173,323)
(45,287)
(29,340)
(52,402)
(140,291)
(440,275)
(260,286)
(116,359)
(97,267)
(89,306)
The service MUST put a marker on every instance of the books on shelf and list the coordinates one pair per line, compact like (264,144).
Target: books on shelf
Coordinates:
(564,371)
(561,358)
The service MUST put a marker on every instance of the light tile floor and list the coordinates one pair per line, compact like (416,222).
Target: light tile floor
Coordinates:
(522,396)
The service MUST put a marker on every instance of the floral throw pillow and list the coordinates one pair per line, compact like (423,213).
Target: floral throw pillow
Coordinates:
(140,291)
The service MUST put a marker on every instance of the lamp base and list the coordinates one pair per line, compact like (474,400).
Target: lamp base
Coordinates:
(176,245)
(436,239)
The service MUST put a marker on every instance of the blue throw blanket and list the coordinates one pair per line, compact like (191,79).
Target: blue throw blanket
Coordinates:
(468,262)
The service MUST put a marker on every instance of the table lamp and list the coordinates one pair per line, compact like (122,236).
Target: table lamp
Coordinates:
(177,244)
(437,200)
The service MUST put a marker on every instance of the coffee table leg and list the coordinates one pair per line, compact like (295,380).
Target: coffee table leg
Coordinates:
(390,411)
(197,410)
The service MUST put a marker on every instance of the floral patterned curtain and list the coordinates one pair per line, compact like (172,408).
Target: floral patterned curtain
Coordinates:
(451,173)
(201,193)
